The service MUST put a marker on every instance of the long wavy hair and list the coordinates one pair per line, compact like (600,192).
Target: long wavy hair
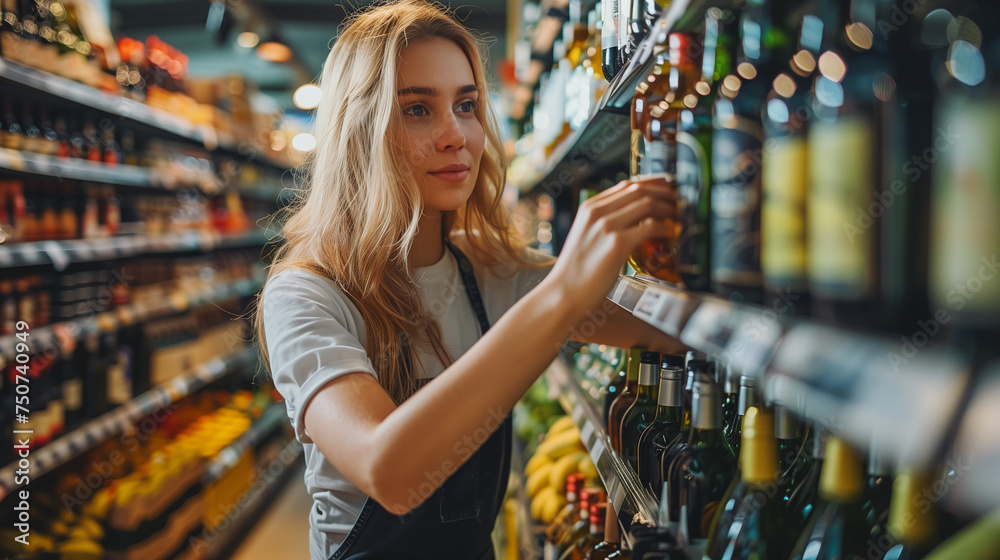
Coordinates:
(355,220)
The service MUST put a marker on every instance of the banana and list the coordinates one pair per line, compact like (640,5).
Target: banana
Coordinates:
(551,507)
(561,444)
(540,504)
(538,480)
(564,467)
(536,462)
(80,549)
(562,424)
(586,466)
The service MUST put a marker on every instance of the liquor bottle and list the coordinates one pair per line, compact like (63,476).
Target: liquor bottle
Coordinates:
(638,416)
(647,92)
(835,528)
(800,487)
(911,516)
(639,24)
(963,234)
(581,527)
(694,148)
(748,397)
(612,540)
(93,142)
(12,134)
(32,135)
(753,528)
(557,530)
(112,152)
(595,534)
(731,388)
(610,63)
(624,400)
(701,473)
(618,378)
(785,174)
(793,457)
(595,71)
(666,425)
(737,144)
(877,494)
(49,140)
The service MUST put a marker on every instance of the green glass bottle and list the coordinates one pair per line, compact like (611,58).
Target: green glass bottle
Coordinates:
(835,529)
(876,499)
(640,415)
(795,462)
(701,473)
(753,528)
(666,425)
(749,396)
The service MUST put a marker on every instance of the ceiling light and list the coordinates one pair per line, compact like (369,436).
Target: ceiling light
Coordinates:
(304,142)
(307,97)
(248,39)
(274,51)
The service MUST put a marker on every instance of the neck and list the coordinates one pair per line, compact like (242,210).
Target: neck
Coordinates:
(428,246)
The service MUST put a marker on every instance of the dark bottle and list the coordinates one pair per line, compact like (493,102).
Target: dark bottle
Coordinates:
(911,516)
(638,416)
(801,486)
(93,354)
(557,530)
(836,529)
(49,139)
(581,528)
(793,456)
(624,400)
(748,397)
(610,62)
(753,527)
(666,425)
(112,154)
(31,141)
(875,498)
(737,142)
(13,134)
(731,387)
(785,175)
(639,25)
(701,473)
(93,142)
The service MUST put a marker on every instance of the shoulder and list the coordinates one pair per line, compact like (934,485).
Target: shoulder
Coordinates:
(291,289)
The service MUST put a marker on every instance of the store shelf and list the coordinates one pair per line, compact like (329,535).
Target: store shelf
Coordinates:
(272,418)
(600,148)
(57,336)
(62,253)
(125,416)
(632,503)
(118,106)
(83,170)
(849,380)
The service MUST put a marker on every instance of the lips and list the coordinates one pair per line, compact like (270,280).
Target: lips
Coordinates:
(453,173)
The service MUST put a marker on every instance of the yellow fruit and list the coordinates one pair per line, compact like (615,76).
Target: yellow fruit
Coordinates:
(535,463)
(564,467)
(91,527)
(551,507)
(80,549)
(586,466)
(562,424)
(538,480)
(561,444)
(540,503)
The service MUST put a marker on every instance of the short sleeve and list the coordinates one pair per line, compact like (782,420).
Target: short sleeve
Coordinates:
(312,338)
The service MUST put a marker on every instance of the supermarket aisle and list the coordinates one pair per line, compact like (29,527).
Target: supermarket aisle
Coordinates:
(283,531)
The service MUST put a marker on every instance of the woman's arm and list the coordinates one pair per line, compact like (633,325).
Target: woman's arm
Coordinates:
(391,452)
(612,325)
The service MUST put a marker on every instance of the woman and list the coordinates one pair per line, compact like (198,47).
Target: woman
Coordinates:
(395,263)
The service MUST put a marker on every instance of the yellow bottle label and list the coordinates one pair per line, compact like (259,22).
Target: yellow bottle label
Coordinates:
(965,230)
(840,228)
(784,181)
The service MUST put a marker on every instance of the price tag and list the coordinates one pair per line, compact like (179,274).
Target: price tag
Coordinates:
(586,433)
(648,306)
(577,414)
(12,160)
(6,257)
(83,250)
(55,251)
(597,451)
(30,253)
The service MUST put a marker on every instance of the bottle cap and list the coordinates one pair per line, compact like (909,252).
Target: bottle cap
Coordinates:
(841,478)
(649,358)
(681,50)
(598,512)
(671,361)
(786,426)
(759,448)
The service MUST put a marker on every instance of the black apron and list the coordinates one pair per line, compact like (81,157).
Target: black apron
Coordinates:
(456,521)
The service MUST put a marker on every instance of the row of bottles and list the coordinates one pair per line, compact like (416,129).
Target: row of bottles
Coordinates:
(44,210)
(737,479)
(826,165)
(32,128)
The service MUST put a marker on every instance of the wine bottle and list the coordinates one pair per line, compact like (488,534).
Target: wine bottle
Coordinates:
(911,516)
(638,417)
(610,63)
(595,534)
(666,425)
(799,487)
(581,527)
(748,397)
(701,473)
(624,400)
(614,388)
(836,529)
(557,530)
(876,498)
(753,527)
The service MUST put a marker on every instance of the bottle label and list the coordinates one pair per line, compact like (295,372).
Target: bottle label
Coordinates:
(964,252)
(692,179)
(659,158)
(609,27)
(784,182)
(840,230)
(624,16)
(72,390)
(736,152)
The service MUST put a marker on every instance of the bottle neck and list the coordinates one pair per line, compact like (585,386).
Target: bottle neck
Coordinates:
(841,479)
(706,408)
(748,397)
(632,368)
(670,391)
(910,519)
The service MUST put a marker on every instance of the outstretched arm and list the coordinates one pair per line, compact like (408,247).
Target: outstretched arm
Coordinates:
(389,451)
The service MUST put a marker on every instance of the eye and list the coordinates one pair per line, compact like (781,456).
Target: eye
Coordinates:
(467,106)
(416,111)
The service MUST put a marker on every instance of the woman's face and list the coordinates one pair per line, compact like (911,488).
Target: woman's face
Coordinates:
(442,139)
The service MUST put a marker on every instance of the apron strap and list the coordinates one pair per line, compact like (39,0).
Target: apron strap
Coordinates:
(471,287)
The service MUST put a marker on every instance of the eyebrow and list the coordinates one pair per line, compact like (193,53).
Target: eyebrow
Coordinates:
(421,90)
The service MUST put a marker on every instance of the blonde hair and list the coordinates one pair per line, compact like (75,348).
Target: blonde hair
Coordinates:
(357,218)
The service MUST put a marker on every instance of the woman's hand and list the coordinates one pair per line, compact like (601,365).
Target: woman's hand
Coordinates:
(607,228)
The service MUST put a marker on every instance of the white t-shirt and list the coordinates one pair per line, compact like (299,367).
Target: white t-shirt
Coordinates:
(315,334)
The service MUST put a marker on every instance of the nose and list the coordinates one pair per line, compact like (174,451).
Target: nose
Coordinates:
(448,136)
